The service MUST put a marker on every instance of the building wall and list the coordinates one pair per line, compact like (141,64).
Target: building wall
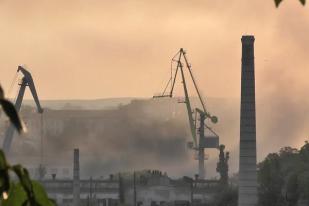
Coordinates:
(149,195)
(102,192)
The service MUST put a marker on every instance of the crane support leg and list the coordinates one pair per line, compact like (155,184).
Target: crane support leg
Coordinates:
(10,131)
(201,164)
(201,149)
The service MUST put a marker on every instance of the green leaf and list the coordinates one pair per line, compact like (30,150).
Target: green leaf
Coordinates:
(26,203)
(4,174)
(25,181)
(17,196)
(3,162)
(303,2)
(11,112)
(277,2)
(40,195)
(4,181)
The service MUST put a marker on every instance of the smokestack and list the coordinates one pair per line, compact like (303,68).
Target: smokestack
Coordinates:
(247,192)
(76,184)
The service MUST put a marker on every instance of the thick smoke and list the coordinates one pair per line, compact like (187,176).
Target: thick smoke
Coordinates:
(150,134)
(141,135)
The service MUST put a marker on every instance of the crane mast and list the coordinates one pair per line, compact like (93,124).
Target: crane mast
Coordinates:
(27,80)
(203,142)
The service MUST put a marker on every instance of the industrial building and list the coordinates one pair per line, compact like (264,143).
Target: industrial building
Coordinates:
(143,188)
(154,188)
(92,192)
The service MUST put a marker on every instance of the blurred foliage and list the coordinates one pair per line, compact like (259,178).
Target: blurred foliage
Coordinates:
(25,192)
(10,111)
(284,177)
(278,2)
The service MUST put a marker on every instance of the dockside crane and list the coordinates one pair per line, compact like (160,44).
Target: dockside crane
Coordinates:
(27,81)
(203,142)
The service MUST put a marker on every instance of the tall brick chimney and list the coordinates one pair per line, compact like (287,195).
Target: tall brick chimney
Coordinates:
(76,183)
(247,192)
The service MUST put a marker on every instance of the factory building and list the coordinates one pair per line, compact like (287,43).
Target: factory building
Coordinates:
(82,192)
(91,192)
(154,188)
(144,188)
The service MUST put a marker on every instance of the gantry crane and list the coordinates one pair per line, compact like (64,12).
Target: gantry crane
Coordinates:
(26,81)
(203,142)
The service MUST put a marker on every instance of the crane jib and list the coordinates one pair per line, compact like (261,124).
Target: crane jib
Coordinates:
(26,81)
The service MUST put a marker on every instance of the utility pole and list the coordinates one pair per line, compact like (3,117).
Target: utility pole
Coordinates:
(121,189)
(201,149)
(190,180)
(134,187)
(90,191)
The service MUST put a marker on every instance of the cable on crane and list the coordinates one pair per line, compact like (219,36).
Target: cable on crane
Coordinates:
(42,136)
(12,84)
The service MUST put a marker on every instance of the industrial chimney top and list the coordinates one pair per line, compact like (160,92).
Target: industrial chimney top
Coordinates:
(247,39)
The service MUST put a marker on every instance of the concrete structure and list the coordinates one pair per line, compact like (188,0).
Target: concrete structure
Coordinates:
(76,183)
(247,154)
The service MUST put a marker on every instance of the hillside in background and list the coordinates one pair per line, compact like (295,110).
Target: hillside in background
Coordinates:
(74,104)
(126,134)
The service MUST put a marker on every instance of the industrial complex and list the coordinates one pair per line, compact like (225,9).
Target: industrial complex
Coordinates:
(140,187)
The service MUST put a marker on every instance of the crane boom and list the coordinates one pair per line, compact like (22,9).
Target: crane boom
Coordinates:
(30,83)
(213,118)
(188,105)
(210,142)
(27,80)
(181,54)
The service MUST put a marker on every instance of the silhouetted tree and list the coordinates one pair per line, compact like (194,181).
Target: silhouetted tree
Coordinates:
(278,2)
(284,177)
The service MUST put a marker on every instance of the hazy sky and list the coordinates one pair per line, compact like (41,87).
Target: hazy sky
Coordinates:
(85,49)
(90,49)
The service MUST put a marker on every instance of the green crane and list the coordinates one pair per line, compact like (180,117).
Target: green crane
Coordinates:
(204,114)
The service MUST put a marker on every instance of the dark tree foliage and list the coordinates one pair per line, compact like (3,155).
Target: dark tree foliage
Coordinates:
(271,181)
(278,2)
(284,177)
(10,111)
